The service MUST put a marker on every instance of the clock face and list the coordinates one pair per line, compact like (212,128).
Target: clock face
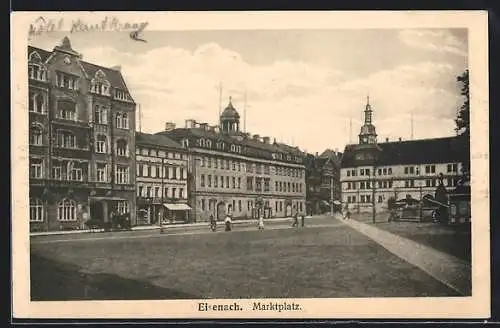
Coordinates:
(67,60)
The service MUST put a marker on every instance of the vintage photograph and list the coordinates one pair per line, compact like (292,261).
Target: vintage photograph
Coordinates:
(209,164)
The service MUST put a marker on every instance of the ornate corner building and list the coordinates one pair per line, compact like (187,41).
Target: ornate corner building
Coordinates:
(373,172)
(81,140)
(236,173)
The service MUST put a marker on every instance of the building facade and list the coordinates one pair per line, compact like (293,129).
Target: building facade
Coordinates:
(231,172)
(162,193)
(373,172)
(81,140)
(323,181)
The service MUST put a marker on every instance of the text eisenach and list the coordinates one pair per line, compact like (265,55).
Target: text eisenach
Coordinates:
(205,307)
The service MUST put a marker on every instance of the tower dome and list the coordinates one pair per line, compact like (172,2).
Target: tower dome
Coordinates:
(368,133)
(230,118)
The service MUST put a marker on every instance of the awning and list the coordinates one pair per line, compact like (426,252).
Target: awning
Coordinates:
(324,202)
(107,198)
(177,207)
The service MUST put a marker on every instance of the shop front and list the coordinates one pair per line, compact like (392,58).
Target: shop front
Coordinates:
(177,212)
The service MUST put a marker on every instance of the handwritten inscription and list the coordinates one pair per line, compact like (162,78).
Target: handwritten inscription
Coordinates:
(108,24)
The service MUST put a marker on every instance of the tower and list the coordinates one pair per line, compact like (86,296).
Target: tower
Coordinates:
(230,119)
(368,134)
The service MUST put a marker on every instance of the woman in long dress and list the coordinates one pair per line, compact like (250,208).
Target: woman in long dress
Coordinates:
(227,221)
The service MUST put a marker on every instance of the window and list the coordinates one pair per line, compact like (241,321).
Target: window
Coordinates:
(75,172)
(101,172)
(249,183)
(36,103)
(361,185)
(120,95)
(165,192)
(239,205)
(234,183)
(148,192)
(216,181)
(36,210)
(227,182)
(266,184)
(100,114)
(100,87)
(222,182)
(181,192)
(121,148)
(209,181)
(66,81)
(202,204)
(239,183)
(66,110)
(181,173)
(202,180)
(36,135)
(66,210)
(122,174)
(100,144)
(122,121)
(66,139)
(36,168)
(174,190)
(56,170)
(123,207)
(258,184)
(380,199)
(36,70)
(389,170)
(348,173)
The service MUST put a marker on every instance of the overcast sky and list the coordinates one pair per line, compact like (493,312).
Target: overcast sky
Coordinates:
(303,87)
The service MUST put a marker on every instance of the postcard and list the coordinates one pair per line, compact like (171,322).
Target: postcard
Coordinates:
(250,165)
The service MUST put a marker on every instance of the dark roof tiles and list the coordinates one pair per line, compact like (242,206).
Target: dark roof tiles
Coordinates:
(159,140)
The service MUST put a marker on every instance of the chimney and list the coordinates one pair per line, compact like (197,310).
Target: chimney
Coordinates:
(190,124)
(256,137)
(247,135)
(211,128)
(386,139)
(266,139)
(317,154)
(204,126)
(400,139)
(117,68)
(169,126)
(274,141)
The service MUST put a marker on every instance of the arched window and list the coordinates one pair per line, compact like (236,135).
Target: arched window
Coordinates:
(100,144)
(100,114)
(36,135)
(36,210)
(209,143)
(66,210)
(122,120)
(36,69)
(121,148)
(36,103)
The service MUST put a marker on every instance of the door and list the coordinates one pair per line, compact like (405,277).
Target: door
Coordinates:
(97,211)
(221,211)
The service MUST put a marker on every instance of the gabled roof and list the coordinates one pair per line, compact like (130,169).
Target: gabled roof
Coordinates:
(114,76)
(437,150)
(156,140)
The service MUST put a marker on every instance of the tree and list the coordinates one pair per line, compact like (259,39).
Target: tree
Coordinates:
(463,125)
(463,118)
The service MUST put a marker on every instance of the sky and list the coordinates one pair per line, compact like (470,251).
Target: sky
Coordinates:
(303,87)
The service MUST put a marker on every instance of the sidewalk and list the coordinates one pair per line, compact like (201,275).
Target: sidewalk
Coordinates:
(449,270)
(154,227)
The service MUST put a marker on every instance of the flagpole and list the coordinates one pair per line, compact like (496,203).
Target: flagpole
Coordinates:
(245,113)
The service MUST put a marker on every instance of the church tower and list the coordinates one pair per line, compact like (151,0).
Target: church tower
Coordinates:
(368,135)
(230,119)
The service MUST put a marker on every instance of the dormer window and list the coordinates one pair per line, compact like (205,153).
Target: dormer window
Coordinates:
(185,143)
(100,85)
(120,95)
(209,144)
(36,68)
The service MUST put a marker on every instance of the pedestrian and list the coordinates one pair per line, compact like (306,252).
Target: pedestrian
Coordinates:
(295,220)
(85,218)
(213,223)
(303,219)
(227,221)
(261,222)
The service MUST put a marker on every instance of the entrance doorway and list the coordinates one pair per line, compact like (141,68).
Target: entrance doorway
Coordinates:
(97,211)
(221,211)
